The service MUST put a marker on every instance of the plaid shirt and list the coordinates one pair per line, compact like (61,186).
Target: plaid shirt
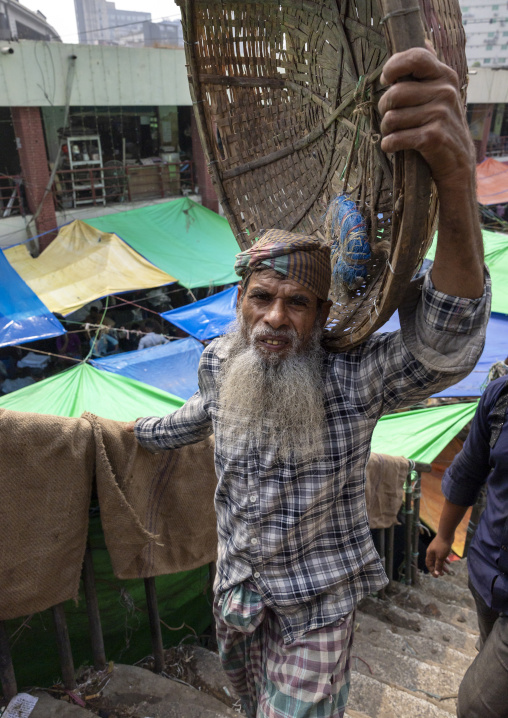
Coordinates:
(298,530)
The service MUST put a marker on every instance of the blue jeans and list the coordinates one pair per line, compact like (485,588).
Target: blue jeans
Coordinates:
(483,692)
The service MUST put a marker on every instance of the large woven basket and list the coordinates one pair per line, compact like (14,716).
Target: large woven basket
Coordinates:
(285,94)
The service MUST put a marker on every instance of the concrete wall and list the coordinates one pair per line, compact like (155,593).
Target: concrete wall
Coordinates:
(487,86)
(35,75)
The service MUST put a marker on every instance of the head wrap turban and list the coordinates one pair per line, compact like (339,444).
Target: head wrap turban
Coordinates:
(304,259)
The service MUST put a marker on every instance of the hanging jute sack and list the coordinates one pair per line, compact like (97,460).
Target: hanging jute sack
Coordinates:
(285,95)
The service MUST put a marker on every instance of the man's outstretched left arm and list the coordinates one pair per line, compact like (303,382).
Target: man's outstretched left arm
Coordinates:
(426,113)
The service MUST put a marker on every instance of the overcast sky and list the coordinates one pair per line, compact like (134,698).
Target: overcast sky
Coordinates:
(60,13)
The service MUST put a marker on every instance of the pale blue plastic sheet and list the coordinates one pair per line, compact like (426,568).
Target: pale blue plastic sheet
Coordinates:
(172,367)
(23,317)
(207,318)
(496,349)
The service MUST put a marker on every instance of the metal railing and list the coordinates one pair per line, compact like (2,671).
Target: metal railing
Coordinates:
(411,518)
(11,201)
(110,183)
(410,512)
(497,146)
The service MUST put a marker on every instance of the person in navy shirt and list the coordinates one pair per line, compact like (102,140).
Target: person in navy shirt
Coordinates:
(483,460)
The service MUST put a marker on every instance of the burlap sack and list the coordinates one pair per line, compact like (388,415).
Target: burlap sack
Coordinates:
(384,489)
(157,510)
(46,465)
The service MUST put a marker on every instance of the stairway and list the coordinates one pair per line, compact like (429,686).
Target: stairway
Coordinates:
(409,655)
(412,649)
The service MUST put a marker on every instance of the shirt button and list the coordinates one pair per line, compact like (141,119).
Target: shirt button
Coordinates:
(253,498)
(256,575)
(254,541)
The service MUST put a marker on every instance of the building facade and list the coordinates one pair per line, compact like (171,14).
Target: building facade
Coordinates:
(100,22)
(91,127)
(19,23)
(486,26)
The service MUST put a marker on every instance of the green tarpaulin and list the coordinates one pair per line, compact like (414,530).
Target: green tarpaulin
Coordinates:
(183,238)
(84,388)
(421,435)
(496,258)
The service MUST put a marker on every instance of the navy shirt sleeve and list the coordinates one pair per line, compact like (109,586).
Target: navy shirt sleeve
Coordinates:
(469,470)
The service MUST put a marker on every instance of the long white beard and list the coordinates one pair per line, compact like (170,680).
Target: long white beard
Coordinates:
(269,402)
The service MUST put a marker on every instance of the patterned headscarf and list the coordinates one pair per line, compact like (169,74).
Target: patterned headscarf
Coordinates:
(304,259)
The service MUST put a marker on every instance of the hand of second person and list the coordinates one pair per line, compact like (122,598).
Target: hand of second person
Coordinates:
(437,559)
(426,113)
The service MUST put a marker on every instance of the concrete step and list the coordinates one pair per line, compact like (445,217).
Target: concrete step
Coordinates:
(413,599)
(372,631)
(407,672)
(448,589)
(381,700)
(146,694)
(441,632)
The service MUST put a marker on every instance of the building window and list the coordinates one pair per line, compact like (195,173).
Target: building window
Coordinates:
(491,34)
(489,47)
(501,60)
(504,47)
(495,7)
(487,60)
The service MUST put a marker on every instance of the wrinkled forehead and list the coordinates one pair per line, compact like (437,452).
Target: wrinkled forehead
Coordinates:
(277,284)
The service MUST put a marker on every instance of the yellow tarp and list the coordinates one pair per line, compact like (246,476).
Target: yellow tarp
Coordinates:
(83,264)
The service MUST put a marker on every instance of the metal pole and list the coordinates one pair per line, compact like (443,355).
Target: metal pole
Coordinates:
(92,609)
(416,527)
(408,526)
(389,552)
(7,677)
(155,625)
(382,555)
(64,647)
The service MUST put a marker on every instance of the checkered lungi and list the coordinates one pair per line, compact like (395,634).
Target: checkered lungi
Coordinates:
(308,678)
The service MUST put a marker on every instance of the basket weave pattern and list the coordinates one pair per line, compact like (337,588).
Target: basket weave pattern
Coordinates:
(286,99)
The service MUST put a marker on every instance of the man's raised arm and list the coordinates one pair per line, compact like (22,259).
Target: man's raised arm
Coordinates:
(426,113)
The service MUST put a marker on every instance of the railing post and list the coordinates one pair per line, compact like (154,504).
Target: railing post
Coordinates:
(407,510)
(64,647)
(92,609)
(389,552)
(7,677)
(155,625)
(382,555)
(416,527)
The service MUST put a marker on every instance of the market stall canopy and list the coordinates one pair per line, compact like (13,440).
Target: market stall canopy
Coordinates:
(430,436)
(83,264)
(496,258)
(84,388)
(421,434)
(181,237)
(208,318)
(23,317)
(172,367)
(492,182)
(495,349)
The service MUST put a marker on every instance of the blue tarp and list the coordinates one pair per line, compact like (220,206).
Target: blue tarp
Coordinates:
(207,318)
(496,349)
(172,367)
(210,317)
(23,317)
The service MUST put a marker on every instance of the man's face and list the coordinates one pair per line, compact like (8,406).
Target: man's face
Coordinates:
(279,314)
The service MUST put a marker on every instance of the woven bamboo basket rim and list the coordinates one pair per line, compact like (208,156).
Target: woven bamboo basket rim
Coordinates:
(285,96)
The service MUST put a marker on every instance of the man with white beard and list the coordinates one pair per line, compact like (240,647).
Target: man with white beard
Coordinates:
(293,422)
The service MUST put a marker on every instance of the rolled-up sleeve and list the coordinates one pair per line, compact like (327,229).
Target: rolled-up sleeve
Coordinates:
(445,333)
